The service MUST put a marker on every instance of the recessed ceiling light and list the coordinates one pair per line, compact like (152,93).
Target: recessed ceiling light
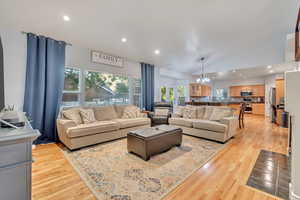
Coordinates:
(66,18)
(157,51)
(124,39)
(269,67)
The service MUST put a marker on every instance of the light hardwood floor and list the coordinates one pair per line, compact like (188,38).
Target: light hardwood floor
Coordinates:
(224,177)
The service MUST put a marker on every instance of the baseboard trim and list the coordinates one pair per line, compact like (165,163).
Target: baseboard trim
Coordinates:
(293,196)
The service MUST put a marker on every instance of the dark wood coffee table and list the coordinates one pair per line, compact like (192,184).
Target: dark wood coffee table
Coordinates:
(150,141)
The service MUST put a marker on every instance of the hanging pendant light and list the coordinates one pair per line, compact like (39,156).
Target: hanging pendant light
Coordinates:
(203,77)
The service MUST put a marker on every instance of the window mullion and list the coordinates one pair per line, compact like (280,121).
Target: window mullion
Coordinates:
(82,88)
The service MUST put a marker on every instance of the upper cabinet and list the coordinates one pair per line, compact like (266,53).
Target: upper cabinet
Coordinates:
(235,91)
(279,90)
(257,90)
(199,90)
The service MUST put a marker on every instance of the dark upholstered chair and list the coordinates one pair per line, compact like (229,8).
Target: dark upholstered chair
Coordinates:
(162,113)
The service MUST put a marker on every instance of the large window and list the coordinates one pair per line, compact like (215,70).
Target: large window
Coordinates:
(108,89)
(180,91)
(99,88)
(181,95)
(221,93)
(71,90)
(136,91)
(105,89)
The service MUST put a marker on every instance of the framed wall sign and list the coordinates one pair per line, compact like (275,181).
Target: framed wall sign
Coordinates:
(103,58)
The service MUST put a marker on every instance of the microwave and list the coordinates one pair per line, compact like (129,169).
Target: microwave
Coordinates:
(245,94)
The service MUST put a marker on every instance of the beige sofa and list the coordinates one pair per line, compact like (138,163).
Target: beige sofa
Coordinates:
(112,122)
(210,122)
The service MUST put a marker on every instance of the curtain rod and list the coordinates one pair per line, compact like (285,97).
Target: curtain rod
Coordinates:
(23,32)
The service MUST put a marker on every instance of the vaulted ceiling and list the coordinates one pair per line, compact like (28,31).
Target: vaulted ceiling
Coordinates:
(230,34)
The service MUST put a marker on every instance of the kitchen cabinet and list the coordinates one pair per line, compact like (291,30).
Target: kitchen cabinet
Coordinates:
(199,90)
(257,90)
(235,91)
(258,108)
(205,90)
(279,90)
(195,90)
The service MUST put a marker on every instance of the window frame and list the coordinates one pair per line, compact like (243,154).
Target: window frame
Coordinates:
(79,91)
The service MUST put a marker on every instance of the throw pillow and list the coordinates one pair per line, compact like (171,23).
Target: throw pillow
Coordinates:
(87,116)
(190,112)
(161,111)
(72,114)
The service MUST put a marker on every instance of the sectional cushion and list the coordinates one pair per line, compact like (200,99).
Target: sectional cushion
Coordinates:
(220,112)
(200,112)
(190,112)
(208,112)
(209,125)
(181,122)
(92,128)
(73,114)
(120,110)
(105,113)
(127,123)
(130,112)
(87,116)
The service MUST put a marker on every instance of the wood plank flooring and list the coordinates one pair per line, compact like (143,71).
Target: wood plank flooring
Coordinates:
(223,178)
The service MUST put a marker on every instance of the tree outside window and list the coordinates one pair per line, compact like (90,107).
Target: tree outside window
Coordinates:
(171,94)
(106,89)
(163,94)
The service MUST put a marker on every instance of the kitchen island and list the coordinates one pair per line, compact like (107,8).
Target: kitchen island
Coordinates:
(256,108)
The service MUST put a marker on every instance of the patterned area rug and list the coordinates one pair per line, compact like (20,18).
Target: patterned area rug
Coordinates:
(112,173)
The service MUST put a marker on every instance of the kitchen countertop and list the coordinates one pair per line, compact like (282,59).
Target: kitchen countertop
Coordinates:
(222,102)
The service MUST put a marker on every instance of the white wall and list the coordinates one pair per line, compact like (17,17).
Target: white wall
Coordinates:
(290,48)
(81,57)
(15,56)
(292,105)
(15,53)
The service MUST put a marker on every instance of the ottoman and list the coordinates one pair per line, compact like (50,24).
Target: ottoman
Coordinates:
(150,141)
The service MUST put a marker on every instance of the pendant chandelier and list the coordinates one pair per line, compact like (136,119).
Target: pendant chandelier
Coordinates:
(204,76)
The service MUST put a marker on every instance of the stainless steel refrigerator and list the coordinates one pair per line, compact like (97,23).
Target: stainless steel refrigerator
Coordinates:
(272,104)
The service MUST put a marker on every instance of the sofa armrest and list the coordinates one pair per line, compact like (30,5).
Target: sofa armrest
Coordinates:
(63,125)
(232,123)
(142,115)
